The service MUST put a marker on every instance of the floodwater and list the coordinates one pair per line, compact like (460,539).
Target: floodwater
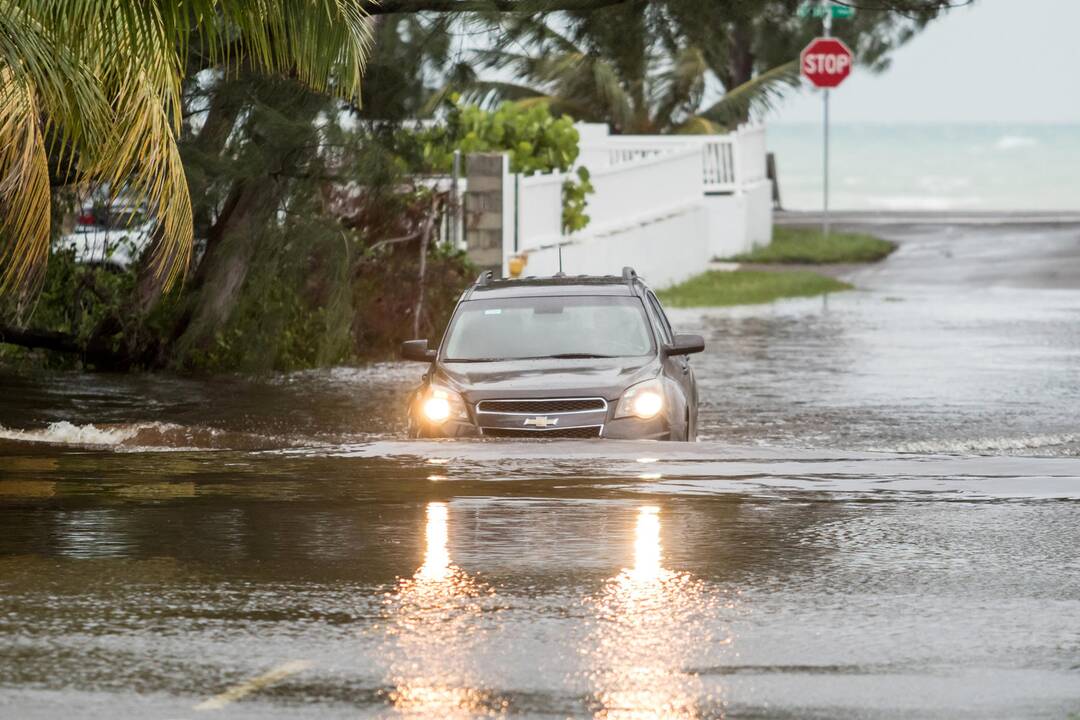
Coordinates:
(881,519)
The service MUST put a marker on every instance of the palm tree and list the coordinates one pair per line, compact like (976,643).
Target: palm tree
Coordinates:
(647,66)
(90,93)
(630,67)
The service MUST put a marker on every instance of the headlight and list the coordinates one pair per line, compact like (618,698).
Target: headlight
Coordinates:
(644,400)
(441,404)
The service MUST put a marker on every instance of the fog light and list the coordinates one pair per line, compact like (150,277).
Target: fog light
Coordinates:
(437,409)
(647,404)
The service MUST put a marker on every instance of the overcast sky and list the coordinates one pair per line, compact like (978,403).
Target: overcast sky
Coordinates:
(1008,61)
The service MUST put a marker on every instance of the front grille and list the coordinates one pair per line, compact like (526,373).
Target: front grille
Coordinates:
(591,431)
(542,407)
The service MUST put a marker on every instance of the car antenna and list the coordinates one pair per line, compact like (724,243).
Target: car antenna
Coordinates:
(560,260)
(484,278)
(629,276)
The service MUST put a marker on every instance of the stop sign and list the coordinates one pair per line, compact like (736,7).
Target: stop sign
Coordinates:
(826,62)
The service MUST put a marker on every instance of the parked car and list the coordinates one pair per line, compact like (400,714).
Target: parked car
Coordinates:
(557,357)
(111,233)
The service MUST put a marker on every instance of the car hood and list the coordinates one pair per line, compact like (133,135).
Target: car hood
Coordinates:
(606,377)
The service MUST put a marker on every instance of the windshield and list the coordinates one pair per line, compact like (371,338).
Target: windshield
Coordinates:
(581,326)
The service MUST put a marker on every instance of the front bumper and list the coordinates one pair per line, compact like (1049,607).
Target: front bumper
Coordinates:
(629,428)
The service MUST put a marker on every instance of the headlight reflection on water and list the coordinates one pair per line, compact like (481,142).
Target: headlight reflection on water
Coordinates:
(649,626)
(433,627)
(647,545)
(648,631)
(436,555)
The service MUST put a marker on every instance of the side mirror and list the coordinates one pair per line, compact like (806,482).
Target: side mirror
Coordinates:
(686,345)
(417,350)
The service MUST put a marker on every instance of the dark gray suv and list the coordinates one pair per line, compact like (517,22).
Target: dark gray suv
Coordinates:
(558,357)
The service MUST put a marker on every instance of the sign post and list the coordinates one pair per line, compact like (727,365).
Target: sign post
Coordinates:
(826,62)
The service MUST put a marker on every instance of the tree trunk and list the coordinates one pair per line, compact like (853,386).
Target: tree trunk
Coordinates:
(43,339)
(742,53)
(425,239)
(97,351)
(225,265)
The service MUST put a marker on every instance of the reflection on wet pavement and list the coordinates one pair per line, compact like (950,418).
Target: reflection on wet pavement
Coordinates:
(881,521)
(432,628)
(649,627)
(525,596)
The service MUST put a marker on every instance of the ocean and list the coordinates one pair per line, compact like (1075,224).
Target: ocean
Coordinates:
(930,167)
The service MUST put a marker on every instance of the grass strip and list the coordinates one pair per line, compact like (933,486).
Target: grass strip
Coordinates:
(809,246)
(747,287)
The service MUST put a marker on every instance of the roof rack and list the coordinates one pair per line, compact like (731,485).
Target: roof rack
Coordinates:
(629,276)
(485,278)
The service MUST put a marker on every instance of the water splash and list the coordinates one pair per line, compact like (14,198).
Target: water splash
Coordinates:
(65,433)
(997,445)
(149,437)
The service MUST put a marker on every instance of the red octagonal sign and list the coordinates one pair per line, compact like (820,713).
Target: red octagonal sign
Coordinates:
(826,62)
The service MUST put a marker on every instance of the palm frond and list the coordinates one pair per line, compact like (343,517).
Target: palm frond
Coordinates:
(537,33)
(698,125)
(489,93)
(145,165)
(611,92)
(103,80)
(323,43)
(24,185)
(679,88)
(65,87)
(757,95)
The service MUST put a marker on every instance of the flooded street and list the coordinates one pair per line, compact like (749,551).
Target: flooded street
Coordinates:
(880,519)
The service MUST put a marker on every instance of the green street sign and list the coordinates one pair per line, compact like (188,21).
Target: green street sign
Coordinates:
(815,9)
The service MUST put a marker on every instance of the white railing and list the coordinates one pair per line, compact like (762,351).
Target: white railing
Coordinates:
(752,151)
(633,177)
(719,164)
(728,162)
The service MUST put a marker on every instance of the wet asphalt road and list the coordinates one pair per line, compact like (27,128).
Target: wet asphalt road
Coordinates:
(880,520)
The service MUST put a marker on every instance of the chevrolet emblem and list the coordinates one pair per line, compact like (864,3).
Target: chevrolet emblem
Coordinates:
(541,422)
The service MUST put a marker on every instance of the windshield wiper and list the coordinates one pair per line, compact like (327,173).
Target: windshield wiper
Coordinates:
(557,356)
(577,356)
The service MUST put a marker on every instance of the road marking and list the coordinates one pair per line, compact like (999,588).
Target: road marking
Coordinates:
(240,690)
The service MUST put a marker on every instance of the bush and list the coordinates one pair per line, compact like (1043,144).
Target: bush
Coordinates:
(535,140)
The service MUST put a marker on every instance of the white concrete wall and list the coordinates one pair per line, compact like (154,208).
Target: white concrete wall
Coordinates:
(759,214)
(664,250)
(664,205)
(539,211)
(740,222)
(636,192)
(592,145)
(727,225)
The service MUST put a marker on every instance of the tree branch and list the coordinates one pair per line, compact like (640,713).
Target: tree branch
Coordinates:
(46,339)
(390,7)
